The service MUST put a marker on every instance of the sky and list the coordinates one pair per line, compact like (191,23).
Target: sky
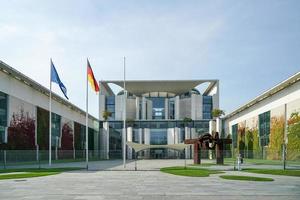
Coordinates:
(250,46)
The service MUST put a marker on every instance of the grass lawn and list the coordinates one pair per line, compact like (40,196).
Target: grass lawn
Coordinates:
(192,172)
(261,161)
(46,161)
(274,172)
(207,164)
(30,173)
(245,178)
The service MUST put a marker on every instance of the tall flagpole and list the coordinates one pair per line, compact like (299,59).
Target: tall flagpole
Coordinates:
(124,116)
(50,114)
(86,123)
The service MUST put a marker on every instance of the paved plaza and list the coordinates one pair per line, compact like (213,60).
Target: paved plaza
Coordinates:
(118,184)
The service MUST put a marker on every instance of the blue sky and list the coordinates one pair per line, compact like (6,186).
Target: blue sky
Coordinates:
(248,45)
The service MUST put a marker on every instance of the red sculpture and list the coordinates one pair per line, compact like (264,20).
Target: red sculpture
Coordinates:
(202,143)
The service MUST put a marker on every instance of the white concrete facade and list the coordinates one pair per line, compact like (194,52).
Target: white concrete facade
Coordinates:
(285,93)
(26,96)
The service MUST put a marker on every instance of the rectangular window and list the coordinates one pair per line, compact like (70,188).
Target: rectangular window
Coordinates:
(140,108)
(110,106)
(3,109)
(158,107)
(3,116)
(264,128)
(171,109)
(207,107)
(234,130)
(158,136)
(55,129)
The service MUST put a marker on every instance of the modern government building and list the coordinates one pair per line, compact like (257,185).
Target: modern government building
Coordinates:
(158,112)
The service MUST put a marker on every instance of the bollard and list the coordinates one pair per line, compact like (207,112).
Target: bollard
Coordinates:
(239,162)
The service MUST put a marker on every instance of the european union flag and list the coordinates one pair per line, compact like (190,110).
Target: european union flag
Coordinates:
(55,78)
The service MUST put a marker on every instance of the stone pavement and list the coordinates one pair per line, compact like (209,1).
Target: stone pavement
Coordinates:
(155,164)
(82,185)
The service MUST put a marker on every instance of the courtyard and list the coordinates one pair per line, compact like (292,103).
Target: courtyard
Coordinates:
(114,183)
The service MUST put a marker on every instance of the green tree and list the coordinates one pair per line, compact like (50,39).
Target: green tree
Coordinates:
(129,122)
(256,147)
(106,114)
(249,143)
(217,112)
(276,138)
(293,145)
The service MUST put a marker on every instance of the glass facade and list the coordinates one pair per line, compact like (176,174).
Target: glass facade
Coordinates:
(110,106)
(3,116)
(3,109)
(158,136)
(234,130)
(201,125)
(264,128)
(171,109)
(207,107)
(55,129)
(158,107)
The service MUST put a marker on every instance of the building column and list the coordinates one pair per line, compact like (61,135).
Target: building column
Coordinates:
(170,140)
(140,136)
(105,139)
(212,126)
(144,107)
(178,136)
(129,139)
(166,108)
(218,125)
(147,141)
(176,107)
(137,106)
(101,106)
(187,136)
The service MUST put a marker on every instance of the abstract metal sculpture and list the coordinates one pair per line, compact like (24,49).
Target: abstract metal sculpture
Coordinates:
(203,143)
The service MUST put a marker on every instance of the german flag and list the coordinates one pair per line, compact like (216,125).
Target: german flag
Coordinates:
(91,77)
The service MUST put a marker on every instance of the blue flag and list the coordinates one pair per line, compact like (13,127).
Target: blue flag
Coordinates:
(55,78)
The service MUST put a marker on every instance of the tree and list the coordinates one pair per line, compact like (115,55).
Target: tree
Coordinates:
(276,138)
(129,122)
(66,150)
(293,144)
(21,133)
(217,112)
(187,120)
(106,114)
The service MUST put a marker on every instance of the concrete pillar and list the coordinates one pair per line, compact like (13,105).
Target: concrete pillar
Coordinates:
(147,141)
(129,139)
(178,135)
(137,106)
(212,126)
(105,141)
(170,140)
(101,106)
(147,136)
(193,107)
(149,109)
(177,107)
(166,108)
(193,135)
(140,135)
(216,96)
(144,107)
(218,125)
(187,136)
(170,136)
